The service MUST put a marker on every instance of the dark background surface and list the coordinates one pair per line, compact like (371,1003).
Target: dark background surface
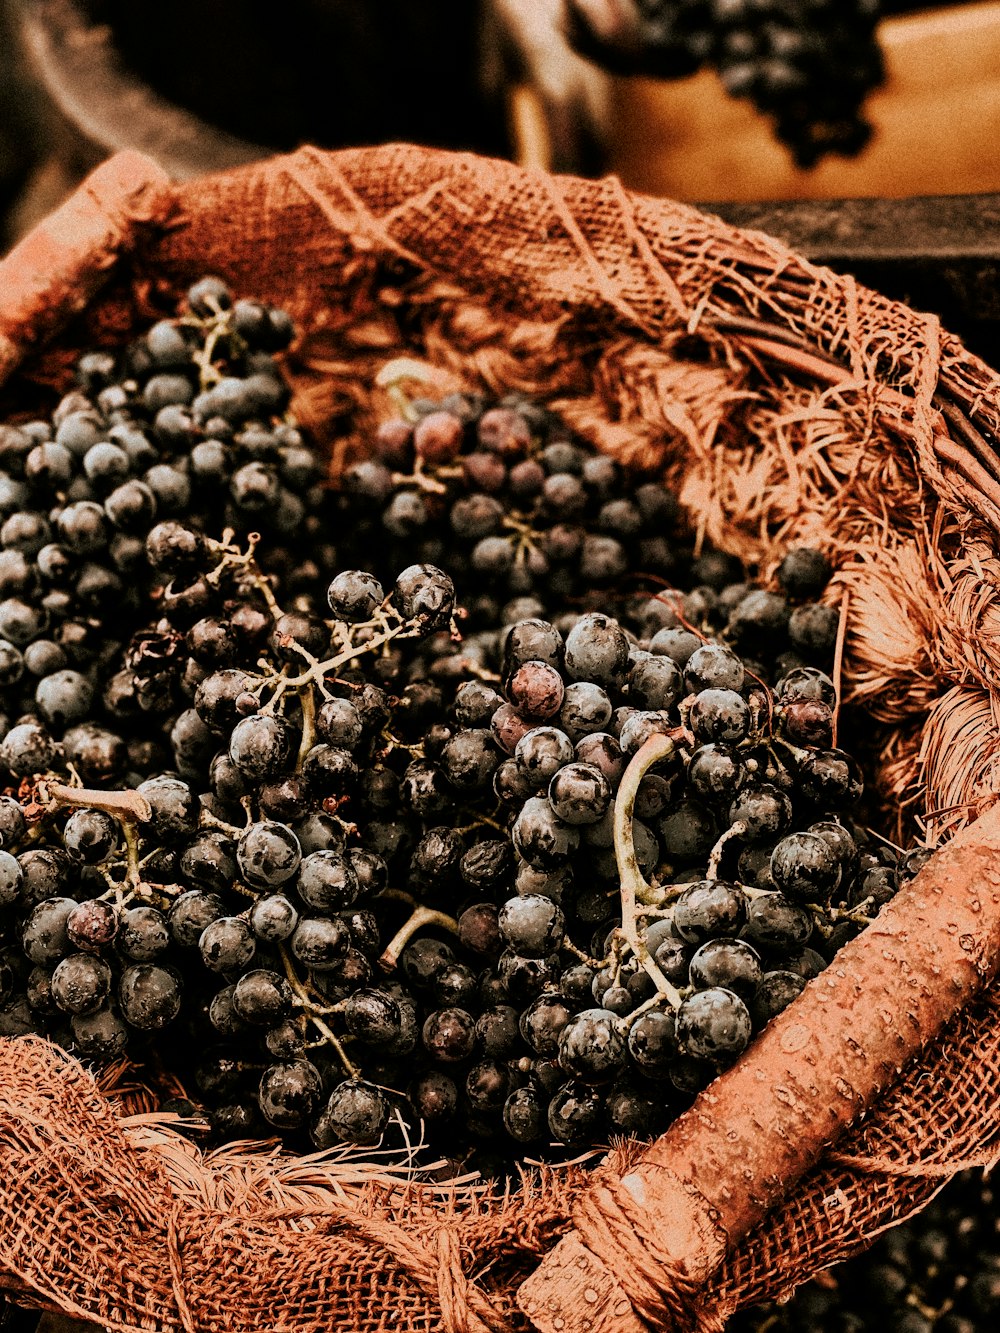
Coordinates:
(325,71)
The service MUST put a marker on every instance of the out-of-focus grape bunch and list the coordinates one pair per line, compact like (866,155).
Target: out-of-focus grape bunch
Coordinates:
(806,64)
(937,1273)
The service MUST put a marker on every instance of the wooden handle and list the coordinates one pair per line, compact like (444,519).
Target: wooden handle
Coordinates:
(54,271)
(644,1245)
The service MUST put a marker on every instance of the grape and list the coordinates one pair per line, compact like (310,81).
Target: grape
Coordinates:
(92,924)
(11,879)
(81,983)
(574,1115)
(524,1115)
(805,867)
(372,1017)
(100,1036)
(226,944)
(579,794)
(319,942)
(532,925)
(289,1093)
(592,1046)
(652,1041)
(260,745)
(356,1112)
(90,836)
(730,964)
(144,934)
(268,854)
(713,1024)
(149,996)
(449,1035)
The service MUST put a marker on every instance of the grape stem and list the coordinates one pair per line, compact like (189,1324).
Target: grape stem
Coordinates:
(129,806)
(317,671)
(838,662)
(633,886)
(207,820)
(715,857)
(596,963)
(308,705)
(310,1011)
(419,478)
(419,917)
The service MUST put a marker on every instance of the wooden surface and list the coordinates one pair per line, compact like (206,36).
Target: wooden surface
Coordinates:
(937,125)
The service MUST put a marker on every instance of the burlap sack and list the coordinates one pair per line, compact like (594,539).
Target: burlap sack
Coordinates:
(786,404)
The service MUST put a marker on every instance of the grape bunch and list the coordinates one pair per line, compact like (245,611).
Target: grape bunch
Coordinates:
(938,1272)
(468,827)
(806,64)
(502,496)
(686,839)
(187,422)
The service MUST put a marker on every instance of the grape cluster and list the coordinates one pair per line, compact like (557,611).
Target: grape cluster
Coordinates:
(411,836)
(660,776)
(185,423)
(936,1273)
(517,511)
(807,64)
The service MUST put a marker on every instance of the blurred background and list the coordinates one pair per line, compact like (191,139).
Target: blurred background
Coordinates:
(704,100)
(866,133)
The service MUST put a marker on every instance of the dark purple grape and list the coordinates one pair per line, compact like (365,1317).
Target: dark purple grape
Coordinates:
(449,1035)
(709,909)
(542,1023)
(289,1093)
(11,879)
(260,746)
(100,1036)
(44,936)
(713,1025)
(727,963)
(143,935)
(434,1098)
(805,867)
(524,1115)
(354,596)
(541,838)
(764,810)
(652,1041)
(532,925)
(149,996)
(92,924)
(775,991)
(720,715)
(81,983)
(597,651)
(592,1046)
(227,944)
(268,854)
(804,572)
(829,780)
(320,943)
(575,1115)
(262,997)
(355,1112)
(579,794)
(777,924)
